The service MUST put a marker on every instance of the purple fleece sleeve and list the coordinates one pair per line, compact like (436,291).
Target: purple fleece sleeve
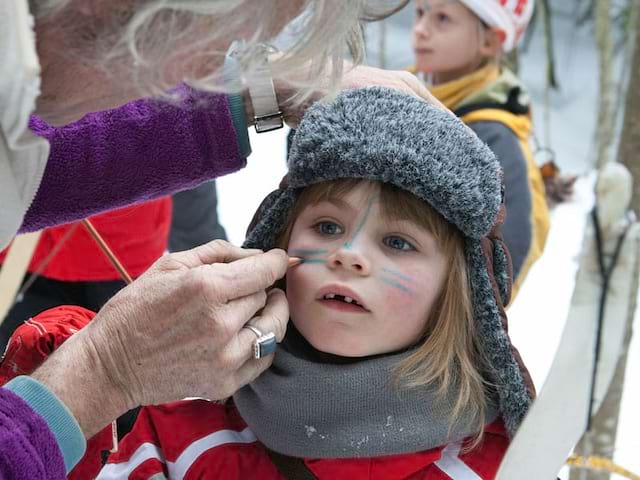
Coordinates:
(28,449)
(142,150)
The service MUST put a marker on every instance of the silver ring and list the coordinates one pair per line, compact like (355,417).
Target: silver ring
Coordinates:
(265,344)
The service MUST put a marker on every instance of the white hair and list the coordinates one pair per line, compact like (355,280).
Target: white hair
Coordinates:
(152,34)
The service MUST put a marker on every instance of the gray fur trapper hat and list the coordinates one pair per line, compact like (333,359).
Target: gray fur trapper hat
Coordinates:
(383,135)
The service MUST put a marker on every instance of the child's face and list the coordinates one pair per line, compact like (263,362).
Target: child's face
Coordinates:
(448,39)
(393,269)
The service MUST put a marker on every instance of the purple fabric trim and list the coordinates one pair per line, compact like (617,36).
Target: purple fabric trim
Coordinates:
(142,150)
(28,449)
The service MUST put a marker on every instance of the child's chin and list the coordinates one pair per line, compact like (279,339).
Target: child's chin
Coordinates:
(423,67)
(341,349)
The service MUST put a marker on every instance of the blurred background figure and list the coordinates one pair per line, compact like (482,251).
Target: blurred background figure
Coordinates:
(194,220)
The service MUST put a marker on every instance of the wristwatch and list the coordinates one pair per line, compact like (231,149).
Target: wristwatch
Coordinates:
(259,81)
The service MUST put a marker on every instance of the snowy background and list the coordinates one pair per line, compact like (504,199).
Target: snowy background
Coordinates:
(538,315)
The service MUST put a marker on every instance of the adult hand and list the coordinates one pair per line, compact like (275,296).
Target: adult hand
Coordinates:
(363,76)
(175,332)
(357,77)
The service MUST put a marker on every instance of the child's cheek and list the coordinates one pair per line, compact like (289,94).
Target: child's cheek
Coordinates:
(295,278)
(408,307)
(398,298)
(400,290)
(399,294)
(295,288)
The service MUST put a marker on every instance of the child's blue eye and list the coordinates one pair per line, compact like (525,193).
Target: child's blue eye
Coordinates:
(443,17)
(328,228)
(398,243)
(419,12)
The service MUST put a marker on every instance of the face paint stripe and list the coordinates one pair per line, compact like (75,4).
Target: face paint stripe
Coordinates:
(303,251)
(399,286)
(399,275)
(313,260)
(362,223)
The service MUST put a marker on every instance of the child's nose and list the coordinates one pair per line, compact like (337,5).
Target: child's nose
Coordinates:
(351,260)
(422,28)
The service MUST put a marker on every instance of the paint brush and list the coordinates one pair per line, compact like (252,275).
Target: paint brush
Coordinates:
(294,261)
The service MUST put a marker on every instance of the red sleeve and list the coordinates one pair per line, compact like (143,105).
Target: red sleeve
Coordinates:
(38,337)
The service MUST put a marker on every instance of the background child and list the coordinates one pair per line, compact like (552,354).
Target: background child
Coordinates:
(397,361)
(458,45)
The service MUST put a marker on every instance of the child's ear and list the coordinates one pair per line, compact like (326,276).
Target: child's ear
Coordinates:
(493,40)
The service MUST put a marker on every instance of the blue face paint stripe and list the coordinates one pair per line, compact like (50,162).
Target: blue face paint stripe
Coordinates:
(399,286)
(399,275)
(362,223)
(313,260)
(303,251)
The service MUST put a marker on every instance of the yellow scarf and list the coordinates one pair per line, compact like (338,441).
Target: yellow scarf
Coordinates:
(452,94)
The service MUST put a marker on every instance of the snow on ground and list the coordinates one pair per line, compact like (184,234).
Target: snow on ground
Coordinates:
(538,315)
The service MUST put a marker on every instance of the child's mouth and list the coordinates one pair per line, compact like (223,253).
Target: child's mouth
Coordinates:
(342,302)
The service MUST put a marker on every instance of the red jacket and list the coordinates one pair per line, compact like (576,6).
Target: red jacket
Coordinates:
(138,235)
(197,439)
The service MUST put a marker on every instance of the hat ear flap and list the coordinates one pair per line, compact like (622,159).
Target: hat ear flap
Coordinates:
(270,219)
(264,207)
(490,275)
(502,270)
(500,257)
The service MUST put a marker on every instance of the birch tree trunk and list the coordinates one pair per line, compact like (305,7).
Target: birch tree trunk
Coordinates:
(606,121)
(630,142)
(552,80)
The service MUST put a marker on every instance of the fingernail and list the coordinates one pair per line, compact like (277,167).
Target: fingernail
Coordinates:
(294,261)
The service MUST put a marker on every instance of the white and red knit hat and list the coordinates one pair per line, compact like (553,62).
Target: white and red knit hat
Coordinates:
(510,16)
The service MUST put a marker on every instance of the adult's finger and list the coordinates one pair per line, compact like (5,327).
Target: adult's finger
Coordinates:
(235,313)
(239,348)
(414,86)
(273,318)
(251,370)
(217,251)
(248,275)
(363,76)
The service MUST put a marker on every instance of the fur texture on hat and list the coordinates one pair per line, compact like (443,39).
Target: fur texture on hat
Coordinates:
(382,135)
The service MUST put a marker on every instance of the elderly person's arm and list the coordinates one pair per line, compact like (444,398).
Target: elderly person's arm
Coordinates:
(142,150)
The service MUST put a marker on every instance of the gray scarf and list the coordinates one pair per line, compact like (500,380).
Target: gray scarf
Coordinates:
(302,408)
